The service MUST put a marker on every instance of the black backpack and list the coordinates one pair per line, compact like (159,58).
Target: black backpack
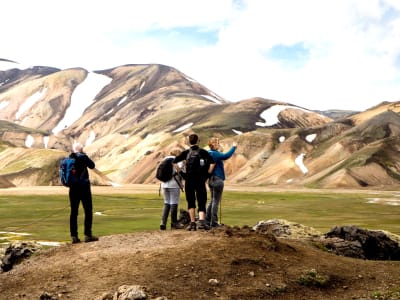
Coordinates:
(165,170)
(196,166)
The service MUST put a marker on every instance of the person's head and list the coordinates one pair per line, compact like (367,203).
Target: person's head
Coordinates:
(77,148)
(175,152)
(213,143)
(193,139)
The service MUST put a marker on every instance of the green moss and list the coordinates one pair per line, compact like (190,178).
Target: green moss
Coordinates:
(313,279)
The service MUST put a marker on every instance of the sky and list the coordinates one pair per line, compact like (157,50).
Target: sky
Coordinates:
(317,54)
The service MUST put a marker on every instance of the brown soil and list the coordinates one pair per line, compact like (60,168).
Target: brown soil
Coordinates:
(179,265)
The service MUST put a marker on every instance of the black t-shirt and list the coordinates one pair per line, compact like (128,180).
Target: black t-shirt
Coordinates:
(203,154)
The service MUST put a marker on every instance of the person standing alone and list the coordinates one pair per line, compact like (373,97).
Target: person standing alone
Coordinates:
(80,191)
(216,181)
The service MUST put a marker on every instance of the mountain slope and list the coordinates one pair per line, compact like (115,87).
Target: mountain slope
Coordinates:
(129,117)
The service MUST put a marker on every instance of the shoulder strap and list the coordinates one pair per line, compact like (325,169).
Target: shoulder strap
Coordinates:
(178,181)
(189,153)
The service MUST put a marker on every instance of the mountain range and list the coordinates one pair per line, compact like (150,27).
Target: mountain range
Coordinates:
(130,117)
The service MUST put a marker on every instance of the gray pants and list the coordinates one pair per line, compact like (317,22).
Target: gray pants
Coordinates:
(171,195)
(171,201)
(216,186)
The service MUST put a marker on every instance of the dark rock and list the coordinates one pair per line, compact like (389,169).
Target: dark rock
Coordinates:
(184,217)
(17,252)
(356,242)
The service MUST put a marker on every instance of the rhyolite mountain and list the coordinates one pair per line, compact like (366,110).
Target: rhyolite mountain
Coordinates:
(131,116)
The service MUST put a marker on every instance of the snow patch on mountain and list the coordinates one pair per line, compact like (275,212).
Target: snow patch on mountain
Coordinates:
(190,79)
(311,137)
(271,114)
(215,100)
(29,141)
(82,98)
(238,132)
(91,138)
(122,100)
(3,104)
(4,82)
(299,162)
(182,128)
(46,141)
(30,102)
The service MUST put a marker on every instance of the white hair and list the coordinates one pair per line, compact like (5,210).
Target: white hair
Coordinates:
(77,147)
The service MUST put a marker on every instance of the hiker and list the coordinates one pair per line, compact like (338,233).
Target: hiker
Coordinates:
(199,165)
(171,191)
(216,181)
(80,191)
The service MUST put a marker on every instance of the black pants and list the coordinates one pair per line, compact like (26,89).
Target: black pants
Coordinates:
(77,194)
(195,189)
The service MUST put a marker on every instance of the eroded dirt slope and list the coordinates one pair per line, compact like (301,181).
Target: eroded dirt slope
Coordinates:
(180,264)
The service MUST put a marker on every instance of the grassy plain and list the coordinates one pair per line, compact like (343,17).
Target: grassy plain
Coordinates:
(45,216)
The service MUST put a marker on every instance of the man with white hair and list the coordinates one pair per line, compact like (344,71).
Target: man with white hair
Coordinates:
(80,191)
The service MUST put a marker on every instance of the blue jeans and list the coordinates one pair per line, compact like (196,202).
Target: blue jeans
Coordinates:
(216,186)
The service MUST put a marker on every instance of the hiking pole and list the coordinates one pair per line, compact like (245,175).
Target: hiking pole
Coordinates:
(220,211)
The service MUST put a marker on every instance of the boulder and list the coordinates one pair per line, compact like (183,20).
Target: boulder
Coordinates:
(356,242)
(16,252)
(286,229)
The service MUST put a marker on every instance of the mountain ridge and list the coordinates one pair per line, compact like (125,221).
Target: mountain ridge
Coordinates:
(129,117)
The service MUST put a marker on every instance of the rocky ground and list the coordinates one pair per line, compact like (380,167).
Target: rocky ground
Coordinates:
(224,263)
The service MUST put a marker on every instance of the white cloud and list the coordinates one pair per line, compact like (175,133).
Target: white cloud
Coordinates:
(315,54)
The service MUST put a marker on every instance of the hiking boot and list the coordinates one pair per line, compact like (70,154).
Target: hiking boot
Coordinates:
(191,227)
(163,227)
(203,225)
(91,238)
(75,240)
(176,226)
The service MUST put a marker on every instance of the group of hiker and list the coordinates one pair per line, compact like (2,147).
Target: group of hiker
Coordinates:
(195,166)
(191,170)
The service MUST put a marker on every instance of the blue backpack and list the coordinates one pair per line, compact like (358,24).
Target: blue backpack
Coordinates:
(67,171)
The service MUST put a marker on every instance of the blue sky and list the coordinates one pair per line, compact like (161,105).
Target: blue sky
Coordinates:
(318,54)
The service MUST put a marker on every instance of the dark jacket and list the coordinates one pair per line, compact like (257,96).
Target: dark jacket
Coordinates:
(203,154)
(82,162)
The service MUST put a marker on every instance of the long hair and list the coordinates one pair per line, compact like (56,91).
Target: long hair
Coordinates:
(212,142)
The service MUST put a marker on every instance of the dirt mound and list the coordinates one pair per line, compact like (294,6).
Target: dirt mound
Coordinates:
(224,263)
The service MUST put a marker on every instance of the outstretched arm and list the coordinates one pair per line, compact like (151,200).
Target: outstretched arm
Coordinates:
(226,155)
